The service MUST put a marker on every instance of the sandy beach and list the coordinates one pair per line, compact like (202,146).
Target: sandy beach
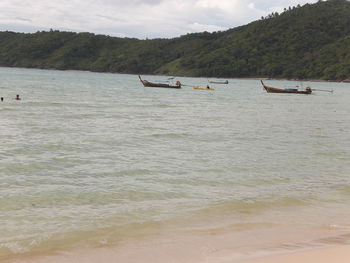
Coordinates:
(336,254)
(209,248)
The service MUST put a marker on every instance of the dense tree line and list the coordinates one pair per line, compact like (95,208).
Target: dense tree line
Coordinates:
(310,41)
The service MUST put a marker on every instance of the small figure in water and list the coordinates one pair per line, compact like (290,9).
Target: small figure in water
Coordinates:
(208,87)
(17,97)
(2,98)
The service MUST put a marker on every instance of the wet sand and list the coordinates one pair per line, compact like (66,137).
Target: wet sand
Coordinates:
(338,254)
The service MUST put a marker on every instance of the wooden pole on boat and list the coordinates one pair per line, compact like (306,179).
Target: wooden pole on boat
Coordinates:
(262,84)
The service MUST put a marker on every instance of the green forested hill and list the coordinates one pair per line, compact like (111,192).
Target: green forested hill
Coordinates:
(312,41)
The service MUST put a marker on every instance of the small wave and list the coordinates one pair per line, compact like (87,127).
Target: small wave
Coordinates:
(339,240)
(83,116)
(169,135)
(132,172)
(251,206)
(234,227)
(22,245)
(8,109)
(345,189)
(161,105)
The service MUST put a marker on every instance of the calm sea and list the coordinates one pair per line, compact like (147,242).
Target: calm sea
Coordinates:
(95,159)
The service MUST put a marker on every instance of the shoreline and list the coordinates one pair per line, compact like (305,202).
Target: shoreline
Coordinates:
(203,239)
(210,247)
(204,77)
(331,253)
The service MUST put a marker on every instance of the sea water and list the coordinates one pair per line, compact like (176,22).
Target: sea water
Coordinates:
(89,159)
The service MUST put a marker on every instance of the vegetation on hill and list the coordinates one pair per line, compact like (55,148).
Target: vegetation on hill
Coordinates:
(308,42)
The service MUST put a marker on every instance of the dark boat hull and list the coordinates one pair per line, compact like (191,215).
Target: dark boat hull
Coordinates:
(294,91)
(146,83)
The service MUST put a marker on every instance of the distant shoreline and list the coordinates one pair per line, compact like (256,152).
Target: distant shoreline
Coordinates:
(179,76)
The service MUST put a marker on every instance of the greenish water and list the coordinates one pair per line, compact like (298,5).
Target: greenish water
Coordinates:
(88,158)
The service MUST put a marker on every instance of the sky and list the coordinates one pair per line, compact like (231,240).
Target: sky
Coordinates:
(136,18)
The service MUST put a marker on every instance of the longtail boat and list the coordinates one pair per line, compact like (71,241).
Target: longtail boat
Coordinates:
(218,82)
(160,85)
(308,90)
(199,88)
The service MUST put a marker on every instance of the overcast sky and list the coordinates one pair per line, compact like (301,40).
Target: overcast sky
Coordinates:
(135,18)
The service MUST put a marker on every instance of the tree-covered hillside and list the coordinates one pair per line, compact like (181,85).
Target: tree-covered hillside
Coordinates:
(312,41)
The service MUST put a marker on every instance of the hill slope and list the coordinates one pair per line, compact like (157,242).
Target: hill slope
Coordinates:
(312,41)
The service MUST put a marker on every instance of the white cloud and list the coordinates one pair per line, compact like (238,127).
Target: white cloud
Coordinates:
(251,5)
(136,18)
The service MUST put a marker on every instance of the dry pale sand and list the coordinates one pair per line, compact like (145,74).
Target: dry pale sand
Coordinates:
(338,254)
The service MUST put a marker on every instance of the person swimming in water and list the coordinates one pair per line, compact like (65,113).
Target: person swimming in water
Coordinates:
(17,97)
